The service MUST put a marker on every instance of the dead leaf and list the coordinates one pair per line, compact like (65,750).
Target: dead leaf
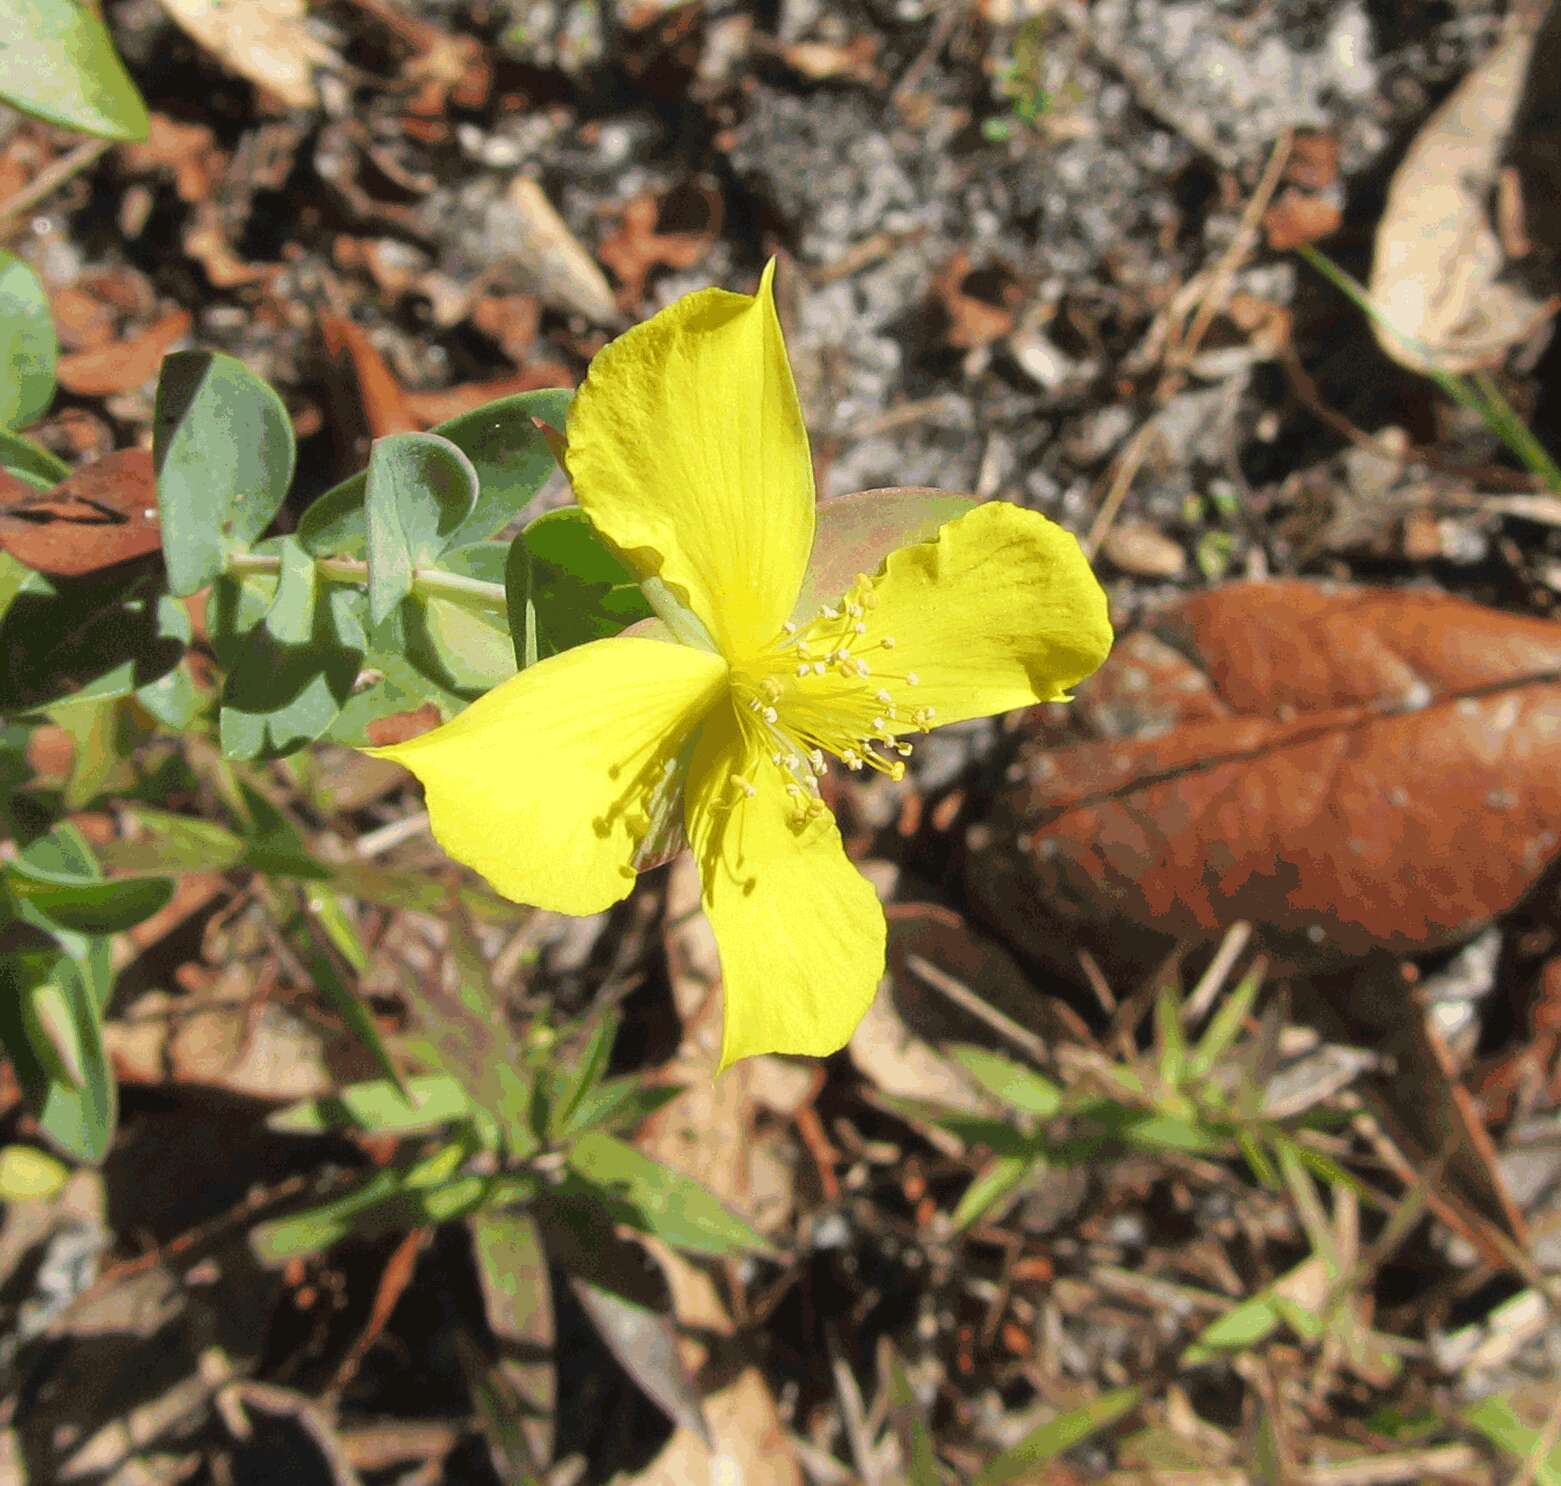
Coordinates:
(102,515)
(445,403)
(750,1443)
(265,41)
(400,727)
(188,152)
(1138,547)
(1313,161)
(1299,217)
(823,61)
(1353,771)
(380,403)
(123,366)
(981,303)
(647,236)
(1438,262)
(557,266)
(510,320)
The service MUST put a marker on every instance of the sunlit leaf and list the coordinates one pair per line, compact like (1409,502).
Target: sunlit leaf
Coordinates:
(420,488)
(511,457)
(58,63)
(223,446)
(28,348)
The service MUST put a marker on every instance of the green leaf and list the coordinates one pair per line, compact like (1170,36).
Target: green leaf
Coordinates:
(166,842)
(1224,1027)
(909,1421)
(576,1081)
(236,604)
(325,932)
(378,1106)
(427,1193)
(21,456)
(994,1185)
(462,1030)
(400,687)
(635,1190)
(1015,1085)
(1060,1434)
(998,1136)
(223,446)
(511,458)
(1499,1422)
(420,488)
(28,349)
(58,63)
(620,1104)
(460,647)
(173,700)
(107,907)
(85,639)
(54,988)
(297,666)
(516,1395)
(565,588)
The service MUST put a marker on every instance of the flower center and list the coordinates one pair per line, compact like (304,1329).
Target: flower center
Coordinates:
(829,686)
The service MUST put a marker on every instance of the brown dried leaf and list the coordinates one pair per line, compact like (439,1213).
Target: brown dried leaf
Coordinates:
(822,61)
(1438,261)
(265,41)
(382,403)
(450,402)
(103,514)
(556,264)
(645,237)
(124,365)
(1352,770)
(1299,217)
(981,303)
(751,1444)
(188,152)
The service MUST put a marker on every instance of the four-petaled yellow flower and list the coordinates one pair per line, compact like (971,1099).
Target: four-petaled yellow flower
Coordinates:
(686,448)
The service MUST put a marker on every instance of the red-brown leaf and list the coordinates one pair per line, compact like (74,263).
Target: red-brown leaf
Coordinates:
(103,514)
(1352,770)
(125,365)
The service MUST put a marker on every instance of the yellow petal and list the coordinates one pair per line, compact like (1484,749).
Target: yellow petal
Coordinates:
(1001,610)
(688,451)
(800,931)
(542,785)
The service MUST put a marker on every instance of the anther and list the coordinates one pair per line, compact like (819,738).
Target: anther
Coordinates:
(912,679)
(887,642)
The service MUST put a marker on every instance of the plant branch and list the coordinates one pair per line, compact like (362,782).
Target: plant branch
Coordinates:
(431,582)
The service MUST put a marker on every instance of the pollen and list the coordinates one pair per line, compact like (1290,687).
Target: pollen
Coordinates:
(823,687)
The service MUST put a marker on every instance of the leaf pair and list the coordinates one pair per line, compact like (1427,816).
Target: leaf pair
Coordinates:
(56,911)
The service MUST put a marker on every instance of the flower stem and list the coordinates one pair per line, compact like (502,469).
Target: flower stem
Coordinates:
(431,582)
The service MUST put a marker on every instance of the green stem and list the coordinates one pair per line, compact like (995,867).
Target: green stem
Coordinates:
(433,582)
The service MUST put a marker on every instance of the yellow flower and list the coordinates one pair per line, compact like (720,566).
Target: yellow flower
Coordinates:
(686,448)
